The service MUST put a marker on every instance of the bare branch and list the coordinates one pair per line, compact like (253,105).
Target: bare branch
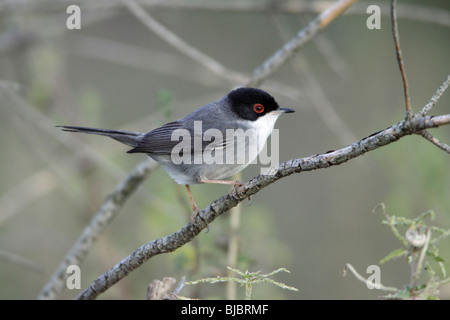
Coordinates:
(46,125)
(419,265)
(161,62)
(414,12)
(317,97)
(398,51)
(435,141)
(101,220)
(185,48)
(434,99)
(408,11)
(375,285)
(233,245)
(172,242)
(21,261)
(300,40)
(32,188)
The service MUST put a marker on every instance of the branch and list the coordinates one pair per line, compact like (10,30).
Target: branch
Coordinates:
(375,285)
(20,261)
(434,99)
(436,141)
(101,220)
(316,95)
(196,55)
(172,242)
(185,48)
(398,51)
(300,40)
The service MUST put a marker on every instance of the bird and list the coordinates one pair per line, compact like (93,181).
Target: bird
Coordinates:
(208,145)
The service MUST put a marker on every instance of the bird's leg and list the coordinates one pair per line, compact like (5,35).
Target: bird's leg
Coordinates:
(194,206)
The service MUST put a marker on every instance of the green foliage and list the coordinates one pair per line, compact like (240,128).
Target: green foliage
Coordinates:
(394,254)
(247,279)
(416,237)
(419,247)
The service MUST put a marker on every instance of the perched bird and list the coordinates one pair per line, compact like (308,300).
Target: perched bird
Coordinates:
(210,144)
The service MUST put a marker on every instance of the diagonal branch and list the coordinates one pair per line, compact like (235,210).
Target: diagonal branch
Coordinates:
(299,41)
(170,37)
(172,242)
(99,222)
(434,99)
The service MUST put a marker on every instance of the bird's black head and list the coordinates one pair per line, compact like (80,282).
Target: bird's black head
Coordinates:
(251,103)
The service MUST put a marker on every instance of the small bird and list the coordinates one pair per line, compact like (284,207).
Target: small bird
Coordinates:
(217,140)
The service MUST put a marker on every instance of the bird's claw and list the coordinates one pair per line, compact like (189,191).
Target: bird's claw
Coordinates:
(235,192)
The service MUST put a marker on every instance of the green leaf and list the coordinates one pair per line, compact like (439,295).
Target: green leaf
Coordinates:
(394,254)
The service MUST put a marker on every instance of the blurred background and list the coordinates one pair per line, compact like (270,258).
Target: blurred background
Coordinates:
(116,73)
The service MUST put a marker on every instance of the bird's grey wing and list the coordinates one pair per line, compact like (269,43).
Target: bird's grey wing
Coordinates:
(162,140)
(159,140)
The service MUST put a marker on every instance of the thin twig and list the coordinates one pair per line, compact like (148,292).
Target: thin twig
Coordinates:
(399,55)
(300,40)
(32,188)
(435,141)
(317,97)
(427,108)
(101,220)
(413,12)
(233,245)
(419,265)
(21,262)
(434,99)
(46,125)
(182,46)
(377,286)
(133,56)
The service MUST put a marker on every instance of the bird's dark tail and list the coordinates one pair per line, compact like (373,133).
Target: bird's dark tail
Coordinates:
(131,139)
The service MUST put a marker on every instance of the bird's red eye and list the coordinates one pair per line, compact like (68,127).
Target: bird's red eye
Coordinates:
(258,108)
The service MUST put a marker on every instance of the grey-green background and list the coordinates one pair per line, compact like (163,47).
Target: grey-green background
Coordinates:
(114,73)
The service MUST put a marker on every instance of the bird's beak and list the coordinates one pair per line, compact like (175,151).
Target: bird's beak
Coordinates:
(285,110)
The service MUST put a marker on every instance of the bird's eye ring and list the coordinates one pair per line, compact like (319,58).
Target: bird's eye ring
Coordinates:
(258,108)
